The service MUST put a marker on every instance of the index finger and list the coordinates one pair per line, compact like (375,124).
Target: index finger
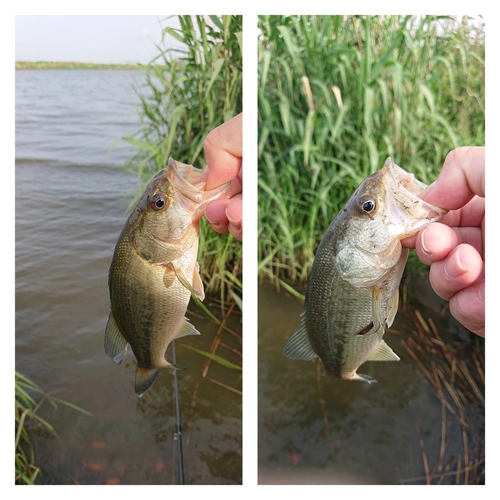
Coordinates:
(461,177)
(223,152)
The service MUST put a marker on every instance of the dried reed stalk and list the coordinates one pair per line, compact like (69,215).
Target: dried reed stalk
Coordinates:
(458,389)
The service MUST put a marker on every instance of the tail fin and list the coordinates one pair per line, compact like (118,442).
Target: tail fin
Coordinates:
(144,378)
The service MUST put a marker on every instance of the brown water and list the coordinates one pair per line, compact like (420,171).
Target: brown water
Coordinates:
(317,430)
(71,201)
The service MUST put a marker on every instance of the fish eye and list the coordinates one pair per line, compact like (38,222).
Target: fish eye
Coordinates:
(367,205)
(158,202)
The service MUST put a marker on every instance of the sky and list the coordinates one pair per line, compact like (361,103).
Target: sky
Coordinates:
(90,39)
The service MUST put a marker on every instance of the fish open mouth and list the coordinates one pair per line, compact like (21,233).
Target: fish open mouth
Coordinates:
(189,188)
(405,180)
(185,178)
(402,214)
(403,205)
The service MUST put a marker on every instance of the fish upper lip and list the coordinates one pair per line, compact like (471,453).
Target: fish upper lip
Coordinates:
(405,180)
(419,211)
(188,189)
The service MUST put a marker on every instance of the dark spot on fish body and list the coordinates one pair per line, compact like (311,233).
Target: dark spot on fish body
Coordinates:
(366,329)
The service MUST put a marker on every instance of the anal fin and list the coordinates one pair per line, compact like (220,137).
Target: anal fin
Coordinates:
(186,328)
(383,353)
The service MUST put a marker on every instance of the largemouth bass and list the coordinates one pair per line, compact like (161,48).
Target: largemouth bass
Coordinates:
(154,270)
(353,287)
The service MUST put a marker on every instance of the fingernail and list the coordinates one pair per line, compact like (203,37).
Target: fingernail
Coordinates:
(425,193)
(234,222)
(430,187)
(455,268)
(481,292)
(214,225)
(237,232)
(424,248)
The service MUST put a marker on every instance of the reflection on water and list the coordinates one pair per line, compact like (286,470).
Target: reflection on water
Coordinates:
(317,430)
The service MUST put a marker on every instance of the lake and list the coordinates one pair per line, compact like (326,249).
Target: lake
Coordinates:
(71,204)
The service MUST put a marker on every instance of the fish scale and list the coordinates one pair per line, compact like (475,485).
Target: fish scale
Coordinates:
(353,287)
(348,311)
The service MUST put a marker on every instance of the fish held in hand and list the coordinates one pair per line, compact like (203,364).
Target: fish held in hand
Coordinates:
(154,270)
(353,287)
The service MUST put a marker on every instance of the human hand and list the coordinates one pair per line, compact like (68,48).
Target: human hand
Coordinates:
(223,155)
(454,247)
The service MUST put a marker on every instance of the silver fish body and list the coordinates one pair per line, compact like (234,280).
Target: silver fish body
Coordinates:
(154,271)
(353,287)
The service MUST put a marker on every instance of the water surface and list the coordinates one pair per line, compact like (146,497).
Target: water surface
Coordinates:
(317,430)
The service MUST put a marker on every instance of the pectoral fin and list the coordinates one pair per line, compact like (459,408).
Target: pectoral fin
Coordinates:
(393,309)
(197,287)
(198,283)
(115,344)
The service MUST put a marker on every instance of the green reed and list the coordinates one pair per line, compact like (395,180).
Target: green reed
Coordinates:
(192,86)
(28,400)
(337,95)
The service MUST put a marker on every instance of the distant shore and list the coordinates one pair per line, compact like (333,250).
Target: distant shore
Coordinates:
(71,65)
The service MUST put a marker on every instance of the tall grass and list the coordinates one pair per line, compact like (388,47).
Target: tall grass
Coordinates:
(29,397)
(337,95)
(192,86)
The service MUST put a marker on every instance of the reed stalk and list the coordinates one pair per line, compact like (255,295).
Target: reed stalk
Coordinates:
(450,369)
(193,85)
(29,397)
(337,96)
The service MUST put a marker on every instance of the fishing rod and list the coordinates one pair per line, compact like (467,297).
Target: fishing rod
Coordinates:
(178,418)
